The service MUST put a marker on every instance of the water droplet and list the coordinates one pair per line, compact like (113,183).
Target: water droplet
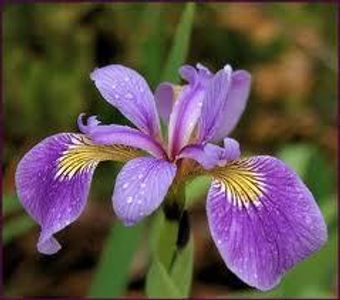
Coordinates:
(126,79)
(139,201)
(116,96)
(142,185)
(140,176)
(129,96)
(219,242)
(200,104)
(125,185)
(114,86)
(129,199)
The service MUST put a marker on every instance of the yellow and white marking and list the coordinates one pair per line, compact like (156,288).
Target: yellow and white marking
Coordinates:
(82,156)
(241,184)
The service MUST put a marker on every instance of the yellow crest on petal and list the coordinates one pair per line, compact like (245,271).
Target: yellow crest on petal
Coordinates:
(82,155)
(242,184)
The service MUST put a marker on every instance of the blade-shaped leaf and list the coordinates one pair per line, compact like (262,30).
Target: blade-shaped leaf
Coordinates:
(150,43)
(180,44)
(181,272)
(111,277)
(172,265)
(10,203)
(16,227)
(158,282)
(312,165)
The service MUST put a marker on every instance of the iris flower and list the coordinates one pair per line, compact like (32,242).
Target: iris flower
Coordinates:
(262,217)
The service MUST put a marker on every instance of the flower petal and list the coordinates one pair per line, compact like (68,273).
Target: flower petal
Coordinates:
(223,104)
(119,134)
(187,108)
(213,103)
(164,97)
(53,181)
(210,155)
(140,188)
(235,104)
(128,91)
(263,219)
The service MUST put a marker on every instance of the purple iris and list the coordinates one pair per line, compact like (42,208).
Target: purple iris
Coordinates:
(262,217)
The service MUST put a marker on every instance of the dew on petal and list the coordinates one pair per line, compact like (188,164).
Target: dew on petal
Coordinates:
(129,96)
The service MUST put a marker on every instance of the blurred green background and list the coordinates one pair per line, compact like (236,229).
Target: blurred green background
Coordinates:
(49,51)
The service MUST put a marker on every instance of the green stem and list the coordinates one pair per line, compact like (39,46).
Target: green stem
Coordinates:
(176,215)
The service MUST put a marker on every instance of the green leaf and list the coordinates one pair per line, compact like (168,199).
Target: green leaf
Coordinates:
(196,190)
(111,276)
(16,227)
(158,282)
(10,204)
(175,277)
(150,42)
(297,156)
(311,164)
(180,46)
(181,272)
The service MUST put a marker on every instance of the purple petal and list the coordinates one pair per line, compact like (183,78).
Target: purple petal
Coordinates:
(210,155)
(189,73)
(128,91)
(213,103)
(164,97)
(235,104)
(263,219)
(223,104)
(51,187)
(140,188)
(187,108)
(119,134)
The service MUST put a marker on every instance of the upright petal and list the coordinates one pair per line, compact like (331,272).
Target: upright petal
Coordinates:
(263,219)
(128,91)
(187,108)
(53,181)
(223,104)
(140,188)
(213,104)
(119,134)
(235,104)
(164,98)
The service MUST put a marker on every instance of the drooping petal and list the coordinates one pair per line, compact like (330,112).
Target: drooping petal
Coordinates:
(210,155)
(140,188)
(223,104)
(119,134)
(263,219)
(187,108)
(53,181)
(128,91)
